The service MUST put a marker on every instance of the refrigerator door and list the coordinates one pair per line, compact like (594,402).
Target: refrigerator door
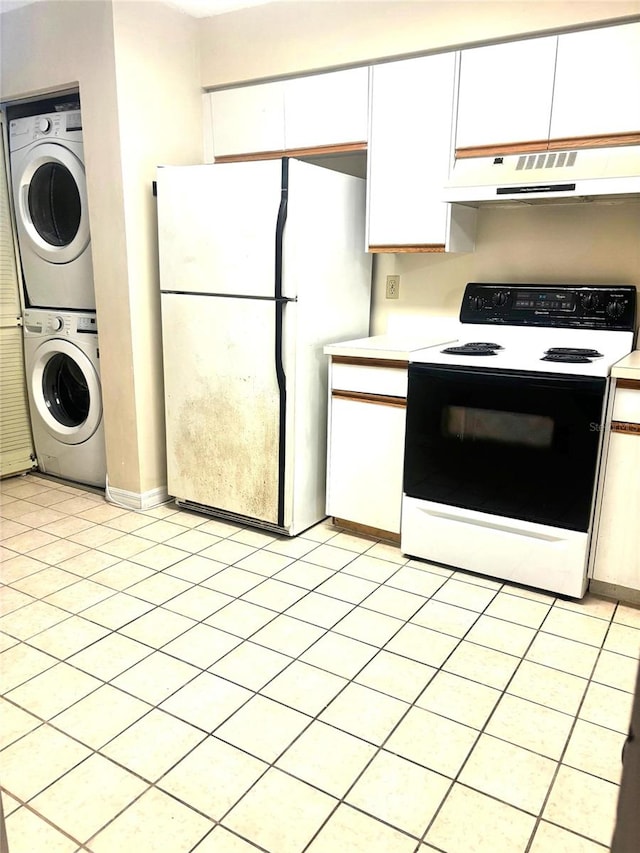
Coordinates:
(216,227)
(222,403)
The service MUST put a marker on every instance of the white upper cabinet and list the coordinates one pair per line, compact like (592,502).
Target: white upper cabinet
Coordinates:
(305,112)
(505,93)
(410,155)
(597,86)
(326,109)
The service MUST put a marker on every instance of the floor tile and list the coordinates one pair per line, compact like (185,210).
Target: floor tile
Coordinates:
(433,741)
(68,637)
(228,552)
(213,777)
(304,688)
(589,605)
(192,540)
(399,792)
(364,713)
(548,687)
(346,587)
(288,635)
(13,600)
(280,813)
(305,575)
(206,701)
(552,838)
(370,568)
(110,656)
(29,541)
(56,552)
(294,547)
(479,663)
(327,758)
(422,644)
(418,581)
(532,726)
(14,722)
(57,753)
(607,707)
(368,626)
(583,803)
(501,635)
(88,563)
(159,588)
(352,542)
(221,840)
(250,665)
(595,750)
(117,611)
(156,677)
(233,581)
(157,627)
(504,829)
(320,609)
(20,663)
(201,645)
(394,602)
(88,722)
(446,618)
(265,563)
(54,690)
(44,582)
(625,614)
(27,832)
(322,532)
(124,546)
(351,831)
(339,655)
(79,596)
(263,728)
(197,602)
(154,822)
(158,556)
(160,531)
(38,517)
(560,653)
(459,699)
(465,595)
(389,552)
(623,639)
(94,535)
(87,797)
(616,671)
(256,538)
(129,522)
(395,675)
(32,619)
(274,594)
(153,744)
(20,566)
(195,568)
(524,780)
(241,618)
(575,626)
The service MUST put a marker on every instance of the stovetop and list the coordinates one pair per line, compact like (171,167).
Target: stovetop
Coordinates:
(569,329)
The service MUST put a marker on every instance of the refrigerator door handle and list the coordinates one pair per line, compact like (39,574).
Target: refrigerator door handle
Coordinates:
(280,374)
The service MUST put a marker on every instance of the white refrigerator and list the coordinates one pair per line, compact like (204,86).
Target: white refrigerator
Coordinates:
(261,265)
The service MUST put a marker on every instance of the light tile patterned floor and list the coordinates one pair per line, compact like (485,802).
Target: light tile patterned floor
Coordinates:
(175,683)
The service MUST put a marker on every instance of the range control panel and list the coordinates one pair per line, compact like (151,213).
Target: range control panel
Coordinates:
(611,307)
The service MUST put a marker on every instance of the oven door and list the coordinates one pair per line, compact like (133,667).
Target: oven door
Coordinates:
(517,445)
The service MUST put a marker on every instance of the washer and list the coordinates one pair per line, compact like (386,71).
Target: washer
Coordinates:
(65,397)
(50,200)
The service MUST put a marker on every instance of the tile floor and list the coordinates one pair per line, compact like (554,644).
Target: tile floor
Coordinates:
(174,683)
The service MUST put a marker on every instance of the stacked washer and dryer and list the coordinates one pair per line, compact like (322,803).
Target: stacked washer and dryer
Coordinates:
(60,328)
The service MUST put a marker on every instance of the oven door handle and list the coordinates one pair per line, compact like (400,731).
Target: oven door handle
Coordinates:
(511,527)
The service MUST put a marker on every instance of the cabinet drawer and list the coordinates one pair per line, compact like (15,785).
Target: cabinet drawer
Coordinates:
(371,376)
(626,404)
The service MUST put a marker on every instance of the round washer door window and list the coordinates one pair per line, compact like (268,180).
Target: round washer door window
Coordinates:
(66,391)
(52,203)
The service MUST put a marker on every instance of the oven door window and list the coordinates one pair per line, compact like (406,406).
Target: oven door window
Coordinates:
(517,445)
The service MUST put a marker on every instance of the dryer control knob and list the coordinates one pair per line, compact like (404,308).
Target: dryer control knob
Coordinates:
(44,125)
(57,323)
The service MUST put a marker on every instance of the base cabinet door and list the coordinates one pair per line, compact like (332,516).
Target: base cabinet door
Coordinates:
(366,449)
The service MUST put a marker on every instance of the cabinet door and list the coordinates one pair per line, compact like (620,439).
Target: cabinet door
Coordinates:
(248,120)
(617,554)
(410,151)
(366,450)
(327,109)
(505,93)
(597,83)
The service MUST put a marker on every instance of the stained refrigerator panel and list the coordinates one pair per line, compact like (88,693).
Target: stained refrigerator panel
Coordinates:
(216,227)
(222,403)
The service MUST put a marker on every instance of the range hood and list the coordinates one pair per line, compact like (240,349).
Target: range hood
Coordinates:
(582,174)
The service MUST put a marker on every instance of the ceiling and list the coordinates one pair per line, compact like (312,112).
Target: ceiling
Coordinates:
(195,8)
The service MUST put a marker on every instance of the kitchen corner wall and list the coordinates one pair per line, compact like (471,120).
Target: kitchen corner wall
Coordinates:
(137,67)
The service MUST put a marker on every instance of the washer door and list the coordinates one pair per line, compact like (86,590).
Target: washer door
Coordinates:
(66,391)
(52,203)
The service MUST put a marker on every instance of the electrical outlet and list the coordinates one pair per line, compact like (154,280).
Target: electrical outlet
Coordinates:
(393,286)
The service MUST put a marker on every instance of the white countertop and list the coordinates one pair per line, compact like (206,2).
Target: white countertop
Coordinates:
(392,346)
(628,367)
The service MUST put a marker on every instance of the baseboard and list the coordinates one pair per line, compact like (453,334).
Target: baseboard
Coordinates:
(613,590)
(136,500)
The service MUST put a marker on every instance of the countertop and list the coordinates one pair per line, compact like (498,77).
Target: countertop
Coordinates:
(628,367)
(396,347)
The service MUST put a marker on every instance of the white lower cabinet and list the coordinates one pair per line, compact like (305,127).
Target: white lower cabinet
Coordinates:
(617,559)
(366,445)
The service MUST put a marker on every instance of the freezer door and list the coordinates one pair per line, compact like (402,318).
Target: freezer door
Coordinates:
(222,403)
(216,227)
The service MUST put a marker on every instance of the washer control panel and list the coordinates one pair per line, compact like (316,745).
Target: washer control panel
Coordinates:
(23,131)
(56,323)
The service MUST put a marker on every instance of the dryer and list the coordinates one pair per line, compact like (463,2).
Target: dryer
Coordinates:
(65,396)
(50,200)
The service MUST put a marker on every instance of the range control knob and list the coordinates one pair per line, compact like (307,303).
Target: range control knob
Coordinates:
(615,309)
(590,300)
(476,303)
(57,323)
(499,299)
(44,125)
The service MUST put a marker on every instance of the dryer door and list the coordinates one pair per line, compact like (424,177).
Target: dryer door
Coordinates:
(52,203)
(65,388)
